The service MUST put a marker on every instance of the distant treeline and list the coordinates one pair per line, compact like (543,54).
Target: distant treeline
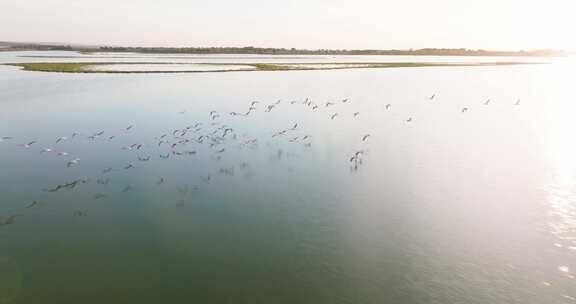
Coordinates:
(283,51)
(278,51)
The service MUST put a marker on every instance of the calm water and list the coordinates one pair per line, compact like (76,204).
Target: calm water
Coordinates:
(451,207)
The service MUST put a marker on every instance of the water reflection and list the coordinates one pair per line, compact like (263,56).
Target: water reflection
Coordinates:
(445,208)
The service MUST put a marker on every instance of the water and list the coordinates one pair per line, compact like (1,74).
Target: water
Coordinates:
(452,207)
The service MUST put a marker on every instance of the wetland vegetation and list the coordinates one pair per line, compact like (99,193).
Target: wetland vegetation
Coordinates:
(91,67)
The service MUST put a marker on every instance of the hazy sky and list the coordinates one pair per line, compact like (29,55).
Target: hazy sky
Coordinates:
(381,24)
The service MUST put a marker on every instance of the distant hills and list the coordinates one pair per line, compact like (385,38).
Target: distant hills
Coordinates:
(272,51)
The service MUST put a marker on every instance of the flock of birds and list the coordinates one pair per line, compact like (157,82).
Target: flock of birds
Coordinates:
(214,135)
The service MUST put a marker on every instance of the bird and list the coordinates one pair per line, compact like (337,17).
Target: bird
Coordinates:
(28,145)
(517,102)
(99,196)
(80,213)
(333,116)
(365,137)
(294,127)
(127,188)
(129,166)
(160,181)
(409,119)
(432,97)
(107,170)
(279,133)
(103,181)
(46,150)
(4,138)
(73,162)
(388,106)
(62,153)
(63,138)
(329,104)
(206,179)
(226,131)
(464,109)
(129,127)
(487,102)
(345,100)
(33,204)
(356,158)
(269,108)
(356,114)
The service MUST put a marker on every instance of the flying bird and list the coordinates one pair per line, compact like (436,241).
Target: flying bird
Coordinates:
(28,145)
(73,162)
(33,204)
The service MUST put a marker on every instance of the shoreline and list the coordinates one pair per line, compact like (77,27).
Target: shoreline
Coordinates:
(84,67)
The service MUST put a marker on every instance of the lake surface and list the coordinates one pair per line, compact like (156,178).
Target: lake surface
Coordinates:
(451,200)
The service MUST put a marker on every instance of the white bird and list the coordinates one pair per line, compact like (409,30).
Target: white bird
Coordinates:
(61,139)
(28,145)
(73,162)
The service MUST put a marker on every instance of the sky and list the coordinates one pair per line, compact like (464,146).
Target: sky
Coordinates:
(311,24)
